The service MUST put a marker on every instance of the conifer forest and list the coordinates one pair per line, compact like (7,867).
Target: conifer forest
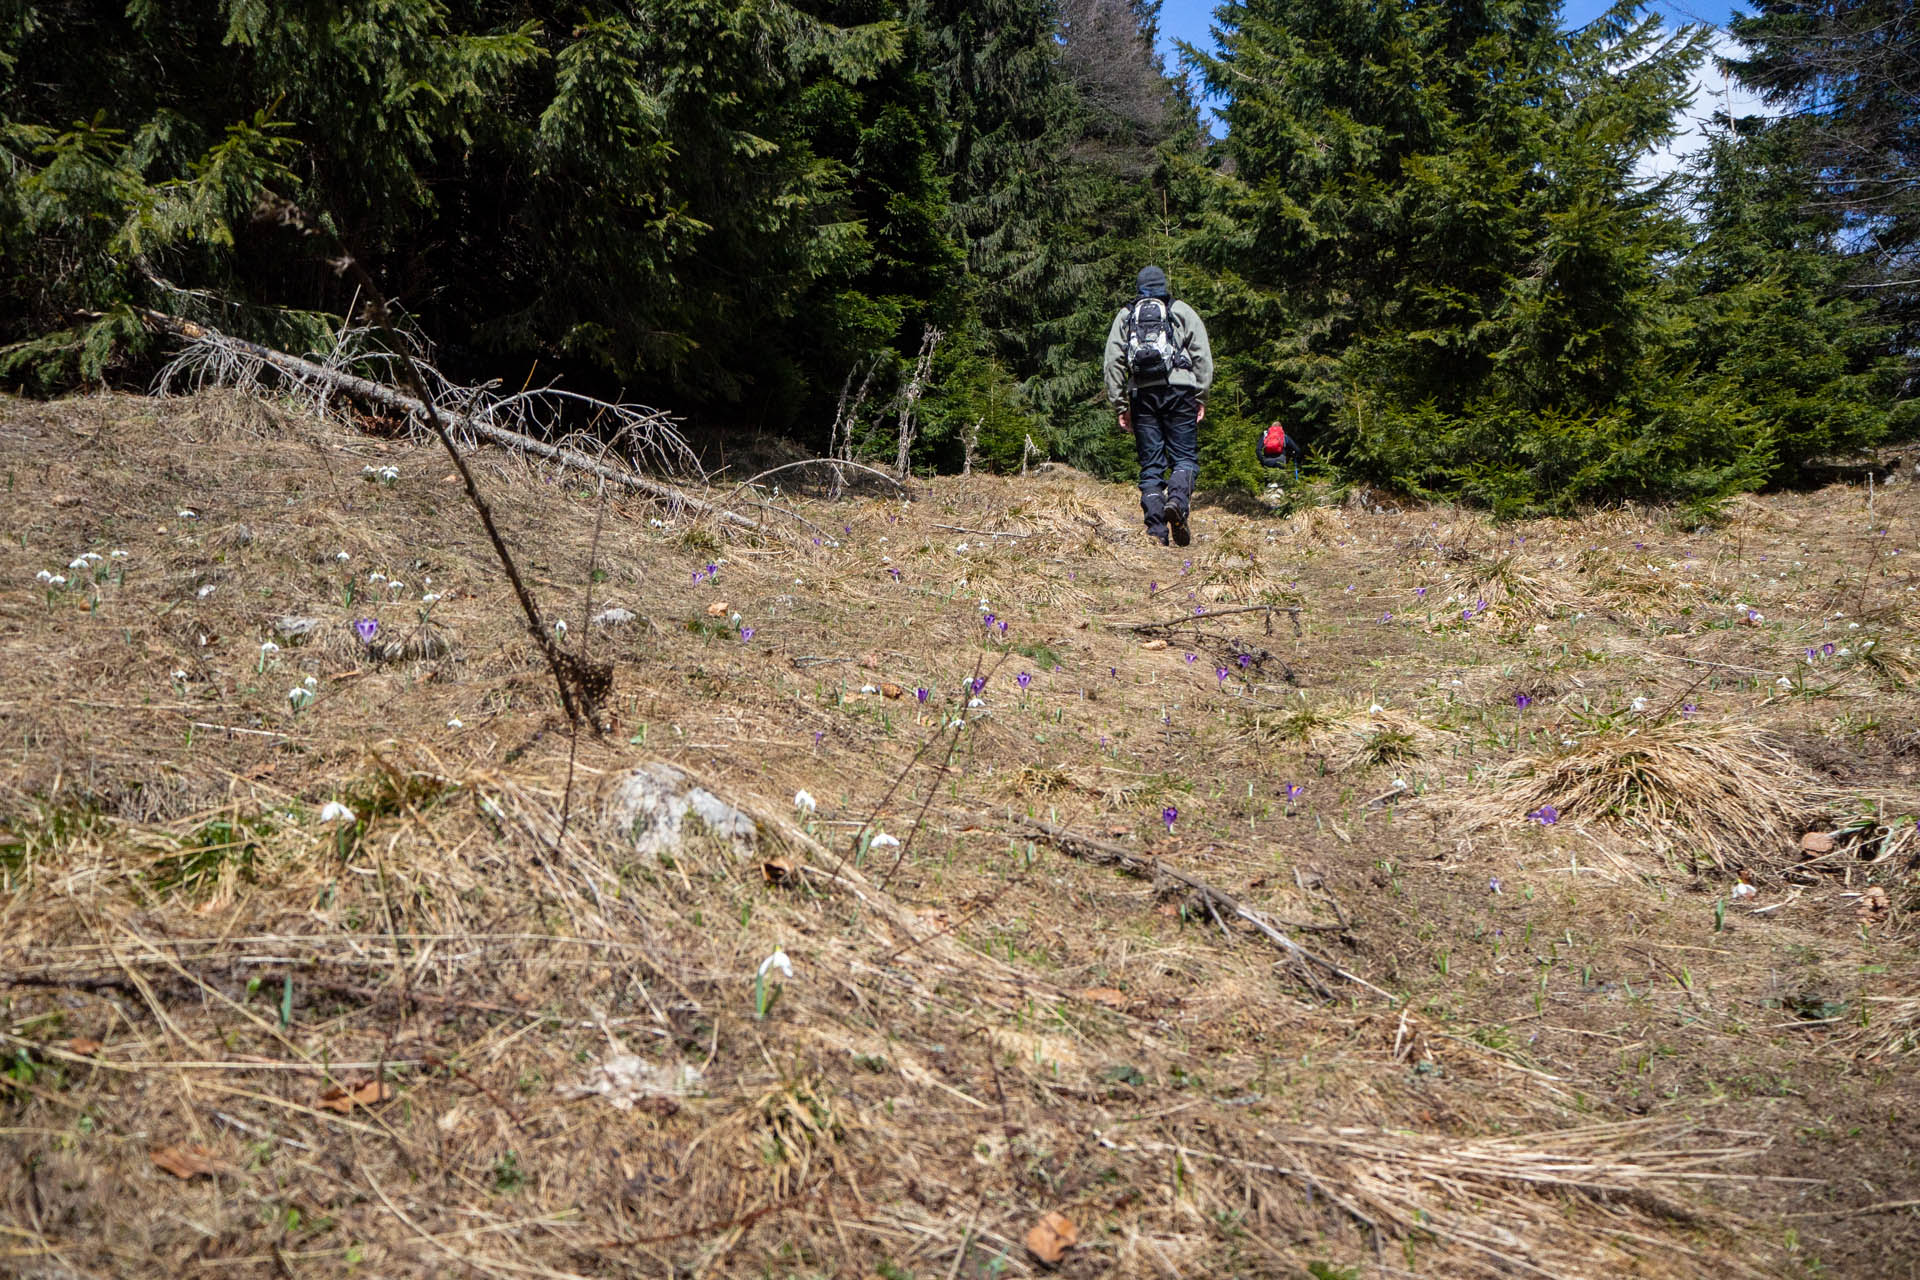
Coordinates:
(1420,232)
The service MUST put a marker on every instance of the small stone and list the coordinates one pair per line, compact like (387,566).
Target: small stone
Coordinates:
(295,627)
(1816,843)
(613,617)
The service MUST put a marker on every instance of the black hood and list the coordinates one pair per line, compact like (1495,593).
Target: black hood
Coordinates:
(1153,283)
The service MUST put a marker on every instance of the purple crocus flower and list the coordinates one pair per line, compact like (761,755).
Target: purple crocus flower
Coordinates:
(1293,791)
(1152,587)
(367,629)
(1546,815)
(1023,680)
(1114,672)
(1168,814)
(1812,654)
(817,735)
(894,573)
(1220,674)
(746,634)
(1419,593)
(697,575)
(978,683)
(1199,609)
(712,569)
(1466,615)
(1190,657)
(1493,885)
(986,620)
(1246,660)
(1003,626)
(1386,617)
(1522,700)
(1827,649)
(920,695)
(1689,711)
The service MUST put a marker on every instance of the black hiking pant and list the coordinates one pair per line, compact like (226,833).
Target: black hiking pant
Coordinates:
(1166,425)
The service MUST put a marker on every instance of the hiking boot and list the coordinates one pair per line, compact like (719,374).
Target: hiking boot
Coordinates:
(1177,521)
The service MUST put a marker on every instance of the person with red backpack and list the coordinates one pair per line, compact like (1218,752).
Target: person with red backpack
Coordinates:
(1158,368)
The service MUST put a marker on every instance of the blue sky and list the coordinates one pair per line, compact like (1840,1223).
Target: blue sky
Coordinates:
(1192,21)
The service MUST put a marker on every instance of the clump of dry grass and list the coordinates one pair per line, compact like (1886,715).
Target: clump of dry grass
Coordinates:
(1347,734)
(1719,789)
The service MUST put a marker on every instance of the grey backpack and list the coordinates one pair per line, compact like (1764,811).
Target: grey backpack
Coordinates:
(1152,353)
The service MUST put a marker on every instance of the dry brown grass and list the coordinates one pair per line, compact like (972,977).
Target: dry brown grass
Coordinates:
(977,1031)
(1715,792)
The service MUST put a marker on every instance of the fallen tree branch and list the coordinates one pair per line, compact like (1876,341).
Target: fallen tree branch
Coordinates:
(364,389)
(1105,853)
(1220,642)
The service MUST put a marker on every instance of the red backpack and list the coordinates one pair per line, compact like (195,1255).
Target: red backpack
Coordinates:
(1275,448)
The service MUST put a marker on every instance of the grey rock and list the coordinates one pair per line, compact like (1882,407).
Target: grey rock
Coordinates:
(613,617)
(660,807)
(294,628)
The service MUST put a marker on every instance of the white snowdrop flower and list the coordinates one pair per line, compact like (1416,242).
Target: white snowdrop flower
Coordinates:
(1637,706)
(43,576)
(803,801)
(117,554)
(454,723)
(394,584)
(961,548)
(955,723)
(429,597)
(777,961)
(884,841)
(975,702)
(1853,626)
(868,688)
(1375,707)
(796,582)
(1399,784)
(1566,742)
(80,563)
(57,580)
(376,576)
(205,591)
(269,647)
(1783,683)
(1743,890)
(334,811)
(342,556)
(657,523)
(299,696)
(1844,651)
(179,674)
(187,513)
(310,682)
(560,627)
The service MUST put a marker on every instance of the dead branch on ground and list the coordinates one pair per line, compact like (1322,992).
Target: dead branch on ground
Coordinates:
(1104,853)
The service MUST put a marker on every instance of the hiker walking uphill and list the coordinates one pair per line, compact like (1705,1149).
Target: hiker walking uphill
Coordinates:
(1158,368)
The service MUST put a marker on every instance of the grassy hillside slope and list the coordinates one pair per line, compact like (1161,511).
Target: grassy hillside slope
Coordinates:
(1631,851)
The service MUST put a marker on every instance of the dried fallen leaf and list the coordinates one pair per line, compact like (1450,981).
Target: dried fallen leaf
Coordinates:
(781,870)
(718,609)
(889,689)
(85,1046)
(188,1161)
(66,499)
(1051,1237)
(1816,843)
(364,1094)
(1872,903)
(1112,997)
(253,773)
(1154,644)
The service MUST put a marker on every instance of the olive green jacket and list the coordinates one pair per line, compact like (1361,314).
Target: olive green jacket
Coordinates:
(1188,333)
